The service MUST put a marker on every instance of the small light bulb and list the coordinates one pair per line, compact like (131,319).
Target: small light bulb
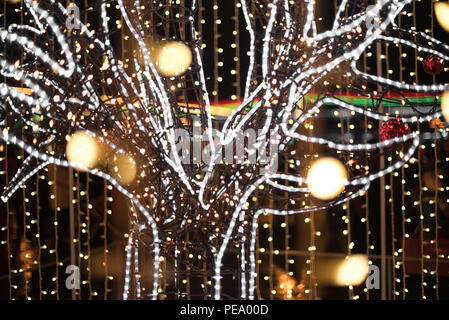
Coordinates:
(326,178)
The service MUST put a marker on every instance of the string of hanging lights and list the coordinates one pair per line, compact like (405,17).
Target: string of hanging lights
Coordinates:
(128,123)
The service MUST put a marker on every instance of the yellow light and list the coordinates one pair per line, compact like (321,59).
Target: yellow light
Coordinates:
(125,169)
(442,14)
(353,271)
(173,59)
(82,149)
(445,105)
(326,178)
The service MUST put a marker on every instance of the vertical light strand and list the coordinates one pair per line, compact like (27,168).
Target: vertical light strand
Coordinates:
(270,257)
(38,228)
(403,191)
(391,193)
(312,231)
(105,240)
(188,271)
(436,246)
(38,236)
(4,150)
(383,231)
(312,250)
(123,37)
(80,229)
(236,32)
(367,220)
(258,262)
(350,244)
(56,236)
(176,264)
(163,274)
(242,283)
(421,220)
(21,156)
(286,229)
(87,196)
(216,35)
(88,227)
(71,213)
(200,29)
(205,281)
(136,271)
(201,8)
(347,207)
(8,224)
(404,232)
(105,227)
(24,247)
(55,216)
(200,25)
(436,178)
(176,273)
(420,186)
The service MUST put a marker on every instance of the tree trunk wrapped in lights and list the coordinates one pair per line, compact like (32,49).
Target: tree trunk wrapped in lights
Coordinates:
(189,213)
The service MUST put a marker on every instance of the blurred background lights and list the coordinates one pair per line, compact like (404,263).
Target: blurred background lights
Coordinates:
(353,271)
(326,178)
(125,169)
(445,105)
(82,149)
(442,14)
(173,58)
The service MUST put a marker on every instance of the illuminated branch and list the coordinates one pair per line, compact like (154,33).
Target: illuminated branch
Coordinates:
(81,86)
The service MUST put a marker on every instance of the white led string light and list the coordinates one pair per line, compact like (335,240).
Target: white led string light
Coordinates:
(275,99)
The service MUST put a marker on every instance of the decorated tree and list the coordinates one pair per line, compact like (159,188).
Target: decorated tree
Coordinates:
(70,101)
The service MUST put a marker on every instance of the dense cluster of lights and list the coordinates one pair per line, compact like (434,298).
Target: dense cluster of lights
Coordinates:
(93,115)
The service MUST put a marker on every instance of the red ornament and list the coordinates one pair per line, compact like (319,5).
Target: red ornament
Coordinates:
(433,64)
(393,128)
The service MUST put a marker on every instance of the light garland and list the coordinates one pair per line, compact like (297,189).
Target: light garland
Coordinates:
(143,112)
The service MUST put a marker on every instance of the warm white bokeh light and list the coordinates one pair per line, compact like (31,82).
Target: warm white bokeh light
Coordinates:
(353,271)
(125,169)
(82,149)
(442,14)
(445,105)
(173,58)
(326,178)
